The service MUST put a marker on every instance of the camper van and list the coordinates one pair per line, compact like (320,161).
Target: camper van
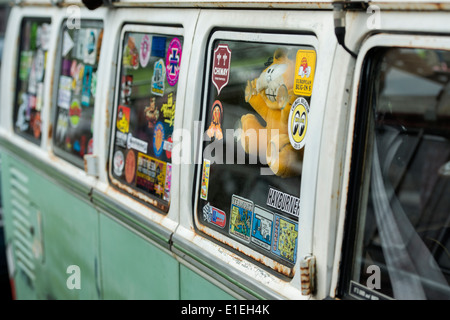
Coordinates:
(235,150)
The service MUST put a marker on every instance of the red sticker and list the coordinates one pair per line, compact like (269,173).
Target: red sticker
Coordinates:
(221,67)
(130,166)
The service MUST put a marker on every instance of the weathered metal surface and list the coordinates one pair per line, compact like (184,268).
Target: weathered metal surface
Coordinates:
(307,275)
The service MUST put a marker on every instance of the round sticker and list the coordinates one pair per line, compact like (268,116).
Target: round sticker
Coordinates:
(75,113)
(118,163)
(298,123)
(173,59)
(130,166)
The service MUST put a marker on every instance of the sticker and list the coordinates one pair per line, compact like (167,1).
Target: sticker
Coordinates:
(86,89)
(214,216)
(130,54)
(39,65)
(205,179)
(39,96)
(32,81)
(94,83)
(121,139)
(35,123)
(151,113)
(123,119)
(173,59)
(65,68)
(221,67)
(158,139)
(64,92)
(22,119)
(168,110)
(80,41)
(75,113)
(90,49)
(241,213)
(151,175)
(361,292)
(83,145)
(45,36)
(137,144)
(130,166)
(262,226)
(68,143)
(285,233)
(144,53)
(77,72)
(158,46)
(216,116)
(62,124)
(126,88)
(68,44)
(168,145)
(90,147)
(118,163)
(159,75)
(298,123)
(26,60)
(284,202)
(305,65)
(168,182)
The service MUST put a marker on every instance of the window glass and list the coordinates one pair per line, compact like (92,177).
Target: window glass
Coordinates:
(145,114)
(403,242)
(76,89)
(256,119)
(34,42)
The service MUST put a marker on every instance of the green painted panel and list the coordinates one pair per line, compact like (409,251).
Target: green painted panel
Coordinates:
(133,268)
(50,230)
(194,287)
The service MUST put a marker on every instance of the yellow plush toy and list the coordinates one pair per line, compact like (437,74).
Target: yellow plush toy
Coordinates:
(271,96)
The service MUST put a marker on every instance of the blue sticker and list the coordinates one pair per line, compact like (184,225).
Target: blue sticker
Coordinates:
(285,234)
(158,139)
(86,89)
(262,226)
(158,47)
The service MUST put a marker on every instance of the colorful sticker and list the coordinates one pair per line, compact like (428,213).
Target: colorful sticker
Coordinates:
(168,144)
(144,53)
(168,110)
(127,82)
(285,233)
(284,202)
(173,59)
(151,113)
(221,67)
(123,119)
(130,166)
(86,90)
(241,213)
(39,65)
(35,123)
(22,118)
(305,65)
(118,163)
(75,113)
(130,54)
(168,182)
(62,125)
(26,60)
(262,226)
(298,123)
(151,174)
(121,139)
(64,92)
(158,46)
(205,179)
(90,49)
(159,75)
(214,216)
(158,139)
(216,116)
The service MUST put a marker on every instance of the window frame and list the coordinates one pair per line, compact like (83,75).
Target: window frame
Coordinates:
(120,186)
(61,153)
(359,158)
(227,241)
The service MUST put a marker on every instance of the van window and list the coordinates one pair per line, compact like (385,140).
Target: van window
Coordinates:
(141,156)
(76,88)
(402,247)
(256,117)
(34,43)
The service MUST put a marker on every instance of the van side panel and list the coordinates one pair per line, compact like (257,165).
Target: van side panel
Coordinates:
(36,225)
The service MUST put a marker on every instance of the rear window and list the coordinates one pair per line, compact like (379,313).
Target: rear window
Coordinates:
(141,157)
(76,90)
(34,44)
(256,109)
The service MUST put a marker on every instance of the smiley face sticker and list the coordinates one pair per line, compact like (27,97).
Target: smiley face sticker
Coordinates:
(298,123)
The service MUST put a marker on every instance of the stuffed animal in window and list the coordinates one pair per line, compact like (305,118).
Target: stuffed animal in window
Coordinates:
(271,96)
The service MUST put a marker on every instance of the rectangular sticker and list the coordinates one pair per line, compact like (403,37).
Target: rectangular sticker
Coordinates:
(241,213)
(64,92)
(285,234)
(262,226)
(284,202)
(136,144)
(151,175)
(214,216)
(205,179)
(305,65)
